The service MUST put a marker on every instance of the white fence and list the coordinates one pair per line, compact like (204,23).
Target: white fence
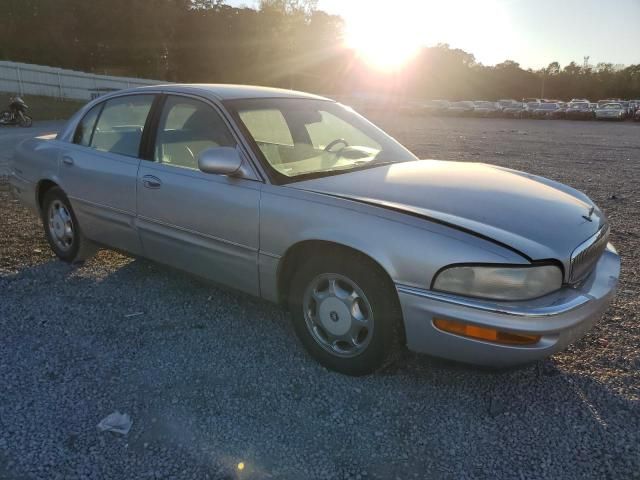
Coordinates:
(27,79)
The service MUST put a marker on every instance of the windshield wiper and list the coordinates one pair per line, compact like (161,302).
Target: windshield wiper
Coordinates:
(362,165)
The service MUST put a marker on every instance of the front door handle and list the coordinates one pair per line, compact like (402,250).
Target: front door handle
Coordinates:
(149,181)
(67,160)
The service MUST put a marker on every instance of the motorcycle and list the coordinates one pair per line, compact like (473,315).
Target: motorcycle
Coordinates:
(16,115)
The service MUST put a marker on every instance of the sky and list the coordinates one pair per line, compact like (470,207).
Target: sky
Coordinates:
(533,33)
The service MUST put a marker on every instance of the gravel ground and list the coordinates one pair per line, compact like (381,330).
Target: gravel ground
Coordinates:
(212,378)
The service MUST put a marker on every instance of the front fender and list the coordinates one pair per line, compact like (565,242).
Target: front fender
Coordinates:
(411,250)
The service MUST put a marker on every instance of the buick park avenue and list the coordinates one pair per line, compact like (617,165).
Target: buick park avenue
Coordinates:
(301,201)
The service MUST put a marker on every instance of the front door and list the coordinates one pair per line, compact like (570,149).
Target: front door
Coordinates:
(99,170)
(203,223)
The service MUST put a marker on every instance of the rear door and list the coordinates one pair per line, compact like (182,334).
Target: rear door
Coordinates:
(99,170)
(203,223)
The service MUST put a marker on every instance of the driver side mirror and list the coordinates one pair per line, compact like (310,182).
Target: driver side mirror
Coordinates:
(220,160)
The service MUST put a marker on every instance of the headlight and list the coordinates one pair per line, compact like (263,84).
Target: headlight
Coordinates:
(499,282)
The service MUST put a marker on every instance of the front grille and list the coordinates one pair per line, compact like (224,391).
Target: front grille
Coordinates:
(587,255)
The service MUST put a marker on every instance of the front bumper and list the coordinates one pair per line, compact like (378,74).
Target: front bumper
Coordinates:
(606,116)
(559,318)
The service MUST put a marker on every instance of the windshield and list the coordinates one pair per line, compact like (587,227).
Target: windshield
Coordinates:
(306,138)
(482,104)
(613,106)
(548,106)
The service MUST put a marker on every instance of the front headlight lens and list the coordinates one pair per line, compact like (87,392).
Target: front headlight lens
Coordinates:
(499,283)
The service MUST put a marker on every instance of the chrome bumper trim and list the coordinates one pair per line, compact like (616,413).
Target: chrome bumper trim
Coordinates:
(515,310)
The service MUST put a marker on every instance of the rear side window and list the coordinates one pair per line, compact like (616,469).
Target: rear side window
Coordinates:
(120,125)
(85,127)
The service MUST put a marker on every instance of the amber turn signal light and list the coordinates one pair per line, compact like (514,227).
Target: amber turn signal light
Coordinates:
(484,333)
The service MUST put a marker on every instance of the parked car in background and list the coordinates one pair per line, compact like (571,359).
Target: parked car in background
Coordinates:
(531,100)
(627,107)
(513,111)
(435,107)
(579,111)
(546,111)
(301,201)
(411,108)
(579,100)
(457,109)
(483,108)
(529,108)
(508,102)
(611,111)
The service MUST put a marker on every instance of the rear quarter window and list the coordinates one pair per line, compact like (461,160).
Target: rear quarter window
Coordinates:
(84,130)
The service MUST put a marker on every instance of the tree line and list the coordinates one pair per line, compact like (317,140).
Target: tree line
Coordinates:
(283,43)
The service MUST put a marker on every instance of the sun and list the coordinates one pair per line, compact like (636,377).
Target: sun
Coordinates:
(388,37)
(384,43)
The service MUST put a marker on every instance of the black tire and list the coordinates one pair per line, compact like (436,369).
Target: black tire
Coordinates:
(383,300)
(5,116)
(80,248)
(25,121)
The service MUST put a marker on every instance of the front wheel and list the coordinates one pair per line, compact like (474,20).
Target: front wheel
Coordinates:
(345,312)
(25,120)
(5,117)
(62,230)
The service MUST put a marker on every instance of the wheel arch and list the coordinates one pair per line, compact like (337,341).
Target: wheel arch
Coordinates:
(296,252)
(42,188)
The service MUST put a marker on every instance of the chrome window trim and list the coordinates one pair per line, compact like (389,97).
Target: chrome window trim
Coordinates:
(513,310)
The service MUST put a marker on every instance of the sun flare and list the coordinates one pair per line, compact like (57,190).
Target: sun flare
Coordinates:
(383,44)
(388,38)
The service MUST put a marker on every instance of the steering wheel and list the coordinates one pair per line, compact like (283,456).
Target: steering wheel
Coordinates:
(337,141)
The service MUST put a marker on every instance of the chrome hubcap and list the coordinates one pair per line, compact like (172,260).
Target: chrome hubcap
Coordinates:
(338,315)
(60,225)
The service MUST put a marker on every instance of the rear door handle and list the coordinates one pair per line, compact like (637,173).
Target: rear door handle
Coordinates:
(67,160)
(149,181)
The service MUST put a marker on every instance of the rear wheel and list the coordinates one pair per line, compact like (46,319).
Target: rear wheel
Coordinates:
(62,230)
(345,312)
(25,120)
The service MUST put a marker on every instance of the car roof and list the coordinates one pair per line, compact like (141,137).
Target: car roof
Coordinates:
(227,91)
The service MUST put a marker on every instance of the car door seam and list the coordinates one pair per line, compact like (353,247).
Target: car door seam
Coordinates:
(194,232)
(100,205)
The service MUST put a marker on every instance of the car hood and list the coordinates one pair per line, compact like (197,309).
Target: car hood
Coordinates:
(539,218)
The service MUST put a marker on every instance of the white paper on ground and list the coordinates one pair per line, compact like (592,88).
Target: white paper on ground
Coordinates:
(116,422)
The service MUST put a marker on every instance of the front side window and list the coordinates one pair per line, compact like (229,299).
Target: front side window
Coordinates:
(303,138)
(186,128)
(120,125)
(84,131)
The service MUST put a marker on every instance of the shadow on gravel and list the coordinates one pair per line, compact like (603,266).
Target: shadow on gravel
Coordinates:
(212,378)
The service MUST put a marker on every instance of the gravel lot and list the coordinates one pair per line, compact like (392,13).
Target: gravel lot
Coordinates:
(212,378)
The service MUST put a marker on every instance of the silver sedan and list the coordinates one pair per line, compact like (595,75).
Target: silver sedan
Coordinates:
(301,201)
(611,111)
